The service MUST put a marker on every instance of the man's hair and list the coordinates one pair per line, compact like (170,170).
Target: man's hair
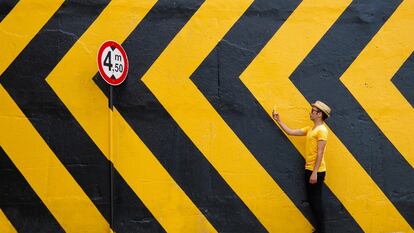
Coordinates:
(324,116)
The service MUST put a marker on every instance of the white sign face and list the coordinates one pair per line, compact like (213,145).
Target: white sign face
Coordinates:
(112,63)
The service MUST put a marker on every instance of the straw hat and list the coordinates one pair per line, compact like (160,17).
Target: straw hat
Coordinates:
(323,107)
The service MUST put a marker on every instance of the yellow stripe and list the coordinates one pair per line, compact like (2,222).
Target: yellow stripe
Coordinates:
(205,127)
(267,78)
(44,172)
(5,225)
(133,160)
(372,71)
(21,24)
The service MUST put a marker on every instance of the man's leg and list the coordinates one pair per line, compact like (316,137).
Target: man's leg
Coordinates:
(314,192)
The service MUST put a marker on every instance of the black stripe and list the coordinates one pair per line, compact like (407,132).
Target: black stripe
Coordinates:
(317,77)
(218,79)
(404,80)
(175,151)
(20,203)
(24,81)
(5,7)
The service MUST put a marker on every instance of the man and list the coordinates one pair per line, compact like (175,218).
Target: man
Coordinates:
(315,167)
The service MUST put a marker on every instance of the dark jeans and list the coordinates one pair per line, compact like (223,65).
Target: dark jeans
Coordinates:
(314,194)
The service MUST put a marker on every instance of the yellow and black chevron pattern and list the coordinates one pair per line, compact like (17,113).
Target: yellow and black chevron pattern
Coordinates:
(190,145)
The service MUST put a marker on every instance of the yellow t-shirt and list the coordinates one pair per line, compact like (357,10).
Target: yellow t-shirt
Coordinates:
(311,149)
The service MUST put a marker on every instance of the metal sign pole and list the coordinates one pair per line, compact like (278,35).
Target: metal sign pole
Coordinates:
(111,105)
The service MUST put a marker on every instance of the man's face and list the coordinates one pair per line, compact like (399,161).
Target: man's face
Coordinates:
(314,113)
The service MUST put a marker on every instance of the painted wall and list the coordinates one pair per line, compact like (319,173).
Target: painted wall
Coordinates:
(190,145)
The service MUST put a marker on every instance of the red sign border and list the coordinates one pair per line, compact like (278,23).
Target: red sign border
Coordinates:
(113,82)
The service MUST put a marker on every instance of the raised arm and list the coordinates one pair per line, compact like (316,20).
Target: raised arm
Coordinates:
(288,131)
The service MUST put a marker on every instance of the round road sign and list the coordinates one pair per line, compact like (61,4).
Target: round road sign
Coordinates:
(112,63)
